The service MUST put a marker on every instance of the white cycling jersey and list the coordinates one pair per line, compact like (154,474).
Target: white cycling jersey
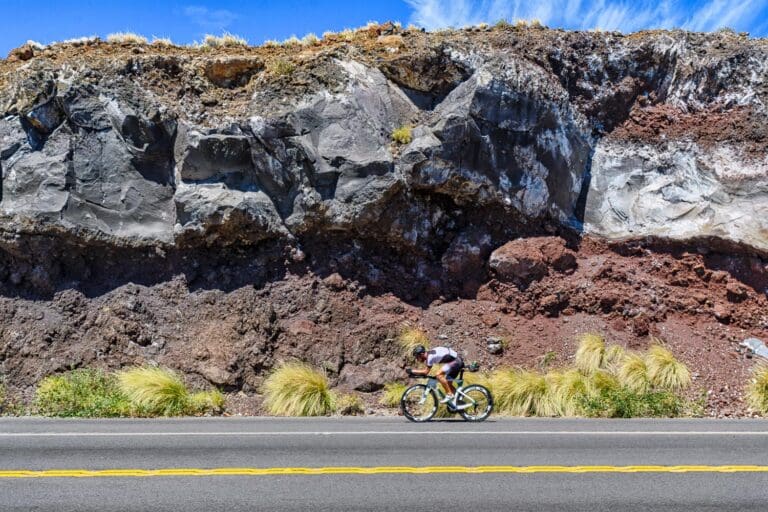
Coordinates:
(440,355)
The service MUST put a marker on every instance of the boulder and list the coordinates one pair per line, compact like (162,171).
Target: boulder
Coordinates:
(232,71)
(529,259)
(369,378)
(518,262)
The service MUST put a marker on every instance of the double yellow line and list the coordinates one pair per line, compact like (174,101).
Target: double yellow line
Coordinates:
(381,470)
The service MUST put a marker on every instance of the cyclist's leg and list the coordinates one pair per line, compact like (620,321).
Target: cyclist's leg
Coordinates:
(443,380)
(449,371)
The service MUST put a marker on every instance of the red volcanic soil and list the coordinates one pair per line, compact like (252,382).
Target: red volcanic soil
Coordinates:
(701,304)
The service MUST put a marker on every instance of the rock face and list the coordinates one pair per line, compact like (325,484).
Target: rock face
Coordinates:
(500,138)
(204,176)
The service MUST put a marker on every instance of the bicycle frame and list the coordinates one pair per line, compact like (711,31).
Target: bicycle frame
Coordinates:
(433,383)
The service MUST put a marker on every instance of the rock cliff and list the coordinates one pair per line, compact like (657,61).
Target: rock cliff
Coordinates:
(241,166)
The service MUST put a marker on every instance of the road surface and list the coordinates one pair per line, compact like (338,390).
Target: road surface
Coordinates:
(381,464)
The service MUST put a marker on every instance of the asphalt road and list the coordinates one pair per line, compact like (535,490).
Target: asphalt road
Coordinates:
(616,454)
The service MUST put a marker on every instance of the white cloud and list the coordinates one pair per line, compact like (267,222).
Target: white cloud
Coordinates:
(209,19)
(624,15)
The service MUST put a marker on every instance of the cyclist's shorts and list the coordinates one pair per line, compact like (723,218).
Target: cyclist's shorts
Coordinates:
(452,369)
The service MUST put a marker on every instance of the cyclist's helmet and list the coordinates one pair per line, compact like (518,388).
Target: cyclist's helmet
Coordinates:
(418,349)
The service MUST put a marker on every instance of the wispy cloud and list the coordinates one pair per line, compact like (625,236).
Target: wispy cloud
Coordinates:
(624,15)
(209,19)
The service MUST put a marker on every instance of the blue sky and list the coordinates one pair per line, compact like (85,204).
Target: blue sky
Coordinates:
(257,20)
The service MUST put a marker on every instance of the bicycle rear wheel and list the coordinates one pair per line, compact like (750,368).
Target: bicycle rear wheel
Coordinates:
(478,402)
(419,403)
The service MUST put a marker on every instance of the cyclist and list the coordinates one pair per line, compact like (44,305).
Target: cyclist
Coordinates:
(451,366)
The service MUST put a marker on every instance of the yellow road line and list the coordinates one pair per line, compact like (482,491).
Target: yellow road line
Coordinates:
(383,470)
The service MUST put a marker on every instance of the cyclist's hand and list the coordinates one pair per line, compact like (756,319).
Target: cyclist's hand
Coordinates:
(409,371)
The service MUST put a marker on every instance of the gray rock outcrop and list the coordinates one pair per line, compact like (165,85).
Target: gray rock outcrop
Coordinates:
(548,131)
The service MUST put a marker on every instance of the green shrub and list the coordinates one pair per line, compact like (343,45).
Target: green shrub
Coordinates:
(403,135)
(157,391)
(756,392)
(393,392)
(145,391)
(2,394)
(84,393)
(624,403)
(349,405)
(297,389)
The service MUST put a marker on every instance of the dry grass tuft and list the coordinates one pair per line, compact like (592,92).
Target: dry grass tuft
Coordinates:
(409,338)
(484,379)
(603,381)
(665,371)
(756,392)
(521,393)
(348,405)
(126,37)
(207,401)
(310,40)
(393,392)
(292,41)
(35,45)
(226,40)
(567,390)
(155,390)
(281,67)
(633,373)
(591,352)
(403,135)
(297,389)
(162,41)
(612,357)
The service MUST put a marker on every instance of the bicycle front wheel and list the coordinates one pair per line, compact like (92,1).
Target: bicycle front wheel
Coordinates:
(419,403)
(475,402)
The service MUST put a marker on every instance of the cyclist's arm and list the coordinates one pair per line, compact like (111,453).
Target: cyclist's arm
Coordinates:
(423,371)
